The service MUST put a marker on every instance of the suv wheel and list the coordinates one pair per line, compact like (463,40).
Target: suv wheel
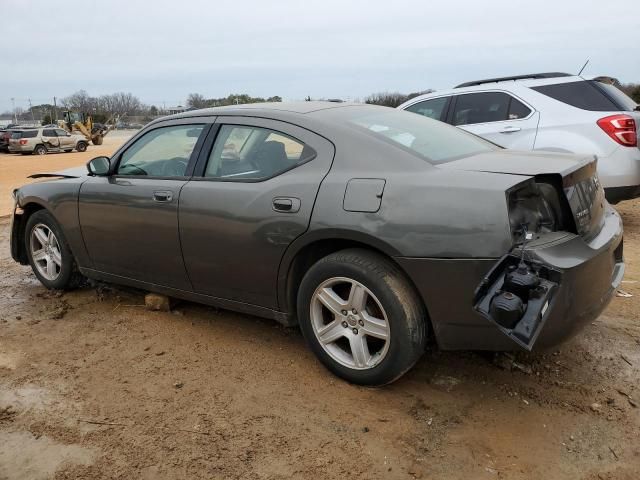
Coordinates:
(49,254)
(40,150)
(81,146)
(361,317)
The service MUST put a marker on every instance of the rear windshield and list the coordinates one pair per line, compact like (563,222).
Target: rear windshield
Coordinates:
(429,139)
(25,134)
(588,95)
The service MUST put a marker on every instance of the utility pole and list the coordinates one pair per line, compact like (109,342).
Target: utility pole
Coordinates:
(15,117)
(55,109)
(33,119)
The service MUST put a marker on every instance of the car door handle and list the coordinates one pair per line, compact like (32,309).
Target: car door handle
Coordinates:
(286,204)
(510,129)
(162,196)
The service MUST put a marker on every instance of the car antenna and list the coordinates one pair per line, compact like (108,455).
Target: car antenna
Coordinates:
(583,67)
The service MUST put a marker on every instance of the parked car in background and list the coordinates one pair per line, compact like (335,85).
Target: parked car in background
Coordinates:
(372,228)
(41,141)
(5,136)
(549,111)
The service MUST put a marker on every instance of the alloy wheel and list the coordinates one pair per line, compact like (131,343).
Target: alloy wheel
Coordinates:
(350,323)
(45,251)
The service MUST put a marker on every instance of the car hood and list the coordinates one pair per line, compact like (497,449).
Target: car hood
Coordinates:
(521,163)
(75,172)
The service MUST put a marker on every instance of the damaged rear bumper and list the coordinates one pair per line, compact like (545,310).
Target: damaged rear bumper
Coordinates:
(577,281)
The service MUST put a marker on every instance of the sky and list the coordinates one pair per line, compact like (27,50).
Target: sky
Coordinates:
(163,50)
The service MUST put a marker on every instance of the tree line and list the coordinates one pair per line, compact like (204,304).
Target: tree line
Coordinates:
(106,108)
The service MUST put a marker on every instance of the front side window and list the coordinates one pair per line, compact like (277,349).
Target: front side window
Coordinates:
(433,108)
(48,132)
(481,108)
(61,133)
(243,153)
(163,152)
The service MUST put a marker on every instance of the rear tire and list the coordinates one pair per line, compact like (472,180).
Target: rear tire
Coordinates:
(361,317)
(48,252)
(40,150)
(81,146)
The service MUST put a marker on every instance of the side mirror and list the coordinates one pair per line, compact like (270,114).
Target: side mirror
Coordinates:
(99,166)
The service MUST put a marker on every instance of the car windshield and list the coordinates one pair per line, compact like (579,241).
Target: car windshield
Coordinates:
(431,140)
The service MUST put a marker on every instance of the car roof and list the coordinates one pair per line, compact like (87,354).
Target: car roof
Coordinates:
(504,83)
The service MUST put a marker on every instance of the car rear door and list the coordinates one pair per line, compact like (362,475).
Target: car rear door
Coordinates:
(252,195)
(129,219)
(497,116)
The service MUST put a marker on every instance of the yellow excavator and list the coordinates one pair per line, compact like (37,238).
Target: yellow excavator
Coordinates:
(83,123)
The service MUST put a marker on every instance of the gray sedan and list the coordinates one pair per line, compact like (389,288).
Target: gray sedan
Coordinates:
(374,230)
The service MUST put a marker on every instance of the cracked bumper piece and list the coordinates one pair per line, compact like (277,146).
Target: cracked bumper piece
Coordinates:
(471,303)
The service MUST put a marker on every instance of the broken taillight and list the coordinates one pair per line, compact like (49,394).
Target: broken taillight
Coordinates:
(622,128)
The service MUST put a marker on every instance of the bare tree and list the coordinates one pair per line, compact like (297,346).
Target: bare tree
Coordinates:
(196,100)
(392,99)
(80,101)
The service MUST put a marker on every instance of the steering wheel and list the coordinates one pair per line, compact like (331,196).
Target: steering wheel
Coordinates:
(174,167)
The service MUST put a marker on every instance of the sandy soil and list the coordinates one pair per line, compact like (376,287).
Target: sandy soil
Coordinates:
(94,386)
(15,168)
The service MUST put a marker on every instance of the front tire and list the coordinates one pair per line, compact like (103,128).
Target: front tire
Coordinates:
(48,252)
(81,146)
(361,317)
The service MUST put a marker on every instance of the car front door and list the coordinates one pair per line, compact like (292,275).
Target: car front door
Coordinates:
(252,195)
(65,139)
(129,219)
(50,139)
(497,116)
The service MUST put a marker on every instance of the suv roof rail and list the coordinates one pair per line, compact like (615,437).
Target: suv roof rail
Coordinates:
(515,77)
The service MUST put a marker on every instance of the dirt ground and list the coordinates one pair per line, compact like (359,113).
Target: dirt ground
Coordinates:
(94,386)
(15,168)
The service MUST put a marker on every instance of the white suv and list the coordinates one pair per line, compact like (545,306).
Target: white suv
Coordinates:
(549,111)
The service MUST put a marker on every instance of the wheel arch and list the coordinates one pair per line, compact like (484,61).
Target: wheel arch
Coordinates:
(310,248)
(19,227)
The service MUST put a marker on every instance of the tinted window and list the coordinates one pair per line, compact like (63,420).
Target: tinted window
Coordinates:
(430,108)
(163,152)
(61,133)
(430,140)
(481,108)
(620,98)
(518,110)
(25,134)
(252,153)
(48,132)
(582,94)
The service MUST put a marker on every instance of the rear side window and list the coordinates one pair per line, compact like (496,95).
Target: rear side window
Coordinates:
(518,110)
(433,108)
(25,134)
(582,94)
(481,108)
(243,153)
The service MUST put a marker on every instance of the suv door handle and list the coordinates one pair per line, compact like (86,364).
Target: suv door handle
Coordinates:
(510,129)
(286,204)
(162,196)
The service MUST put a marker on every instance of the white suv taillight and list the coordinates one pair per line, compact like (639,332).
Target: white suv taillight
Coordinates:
(622,128)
